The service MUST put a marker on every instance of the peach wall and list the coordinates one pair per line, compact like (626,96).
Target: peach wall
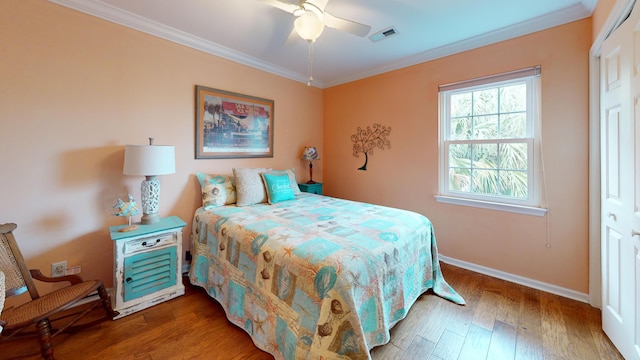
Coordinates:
(406,175)
(600,14)
(75,89)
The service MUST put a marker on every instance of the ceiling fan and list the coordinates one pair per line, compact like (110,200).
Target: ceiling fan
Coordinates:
(311,18)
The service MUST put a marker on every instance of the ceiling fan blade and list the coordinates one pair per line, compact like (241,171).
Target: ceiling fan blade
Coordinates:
(346,25)
(320,4)
(285,6)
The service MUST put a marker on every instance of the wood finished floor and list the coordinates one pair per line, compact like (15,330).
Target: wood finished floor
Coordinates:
(501,320)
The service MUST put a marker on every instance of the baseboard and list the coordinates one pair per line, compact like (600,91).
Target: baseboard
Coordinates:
(185,267)
(534,284)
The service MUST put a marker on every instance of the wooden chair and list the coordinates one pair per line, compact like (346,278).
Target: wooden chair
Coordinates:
(43,310)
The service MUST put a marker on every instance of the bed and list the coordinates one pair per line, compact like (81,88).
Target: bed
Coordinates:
(315,277)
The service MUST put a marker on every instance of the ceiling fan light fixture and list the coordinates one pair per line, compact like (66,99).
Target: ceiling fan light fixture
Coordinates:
(309,6)
(308,26)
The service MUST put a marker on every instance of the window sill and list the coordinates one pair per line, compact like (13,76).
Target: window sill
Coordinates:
(519,209)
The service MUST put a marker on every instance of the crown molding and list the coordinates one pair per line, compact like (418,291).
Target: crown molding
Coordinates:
(560,17)
(116,15)
(125,18)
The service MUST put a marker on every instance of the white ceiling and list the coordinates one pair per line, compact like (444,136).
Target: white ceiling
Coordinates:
(253,33)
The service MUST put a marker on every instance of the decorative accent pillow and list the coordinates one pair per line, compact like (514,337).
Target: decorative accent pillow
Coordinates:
(278,187)
(249,186)
(292,179)
(217,190)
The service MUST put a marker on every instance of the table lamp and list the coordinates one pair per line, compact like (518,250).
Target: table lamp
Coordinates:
(310,153)
(149,161)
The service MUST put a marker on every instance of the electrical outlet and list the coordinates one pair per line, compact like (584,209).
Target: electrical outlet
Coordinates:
(59,269)
(73,270)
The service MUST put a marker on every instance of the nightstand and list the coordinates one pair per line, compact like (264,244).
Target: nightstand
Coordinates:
(148,265)
(311,188)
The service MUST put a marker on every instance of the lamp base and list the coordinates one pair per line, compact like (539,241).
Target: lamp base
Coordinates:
(150,189)
(311,182)
(150,219)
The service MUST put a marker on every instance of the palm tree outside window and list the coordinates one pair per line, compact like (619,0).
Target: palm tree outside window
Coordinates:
(489,141)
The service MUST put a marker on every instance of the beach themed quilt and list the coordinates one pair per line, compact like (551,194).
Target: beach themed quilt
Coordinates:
(316,277)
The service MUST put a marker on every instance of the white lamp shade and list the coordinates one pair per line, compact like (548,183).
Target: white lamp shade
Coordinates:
(308,26)
(148,160)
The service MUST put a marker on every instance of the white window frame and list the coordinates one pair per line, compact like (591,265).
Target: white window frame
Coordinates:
(531,205)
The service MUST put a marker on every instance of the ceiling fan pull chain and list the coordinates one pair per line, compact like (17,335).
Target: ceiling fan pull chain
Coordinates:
(310,63)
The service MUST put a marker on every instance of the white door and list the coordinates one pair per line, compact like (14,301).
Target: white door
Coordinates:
(633,277)
(620,107)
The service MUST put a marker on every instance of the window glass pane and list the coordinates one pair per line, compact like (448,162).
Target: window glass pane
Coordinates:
(514,184)
(485,156)
(461,128)
(459,179)
(513,156)
(513,98)
(485,127)
(484,181)
(460,155)
(485,101)
(513,125)
(460,105)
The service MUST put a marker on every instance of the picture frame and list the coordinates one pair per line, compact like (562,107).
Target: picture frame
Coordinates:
(231,125)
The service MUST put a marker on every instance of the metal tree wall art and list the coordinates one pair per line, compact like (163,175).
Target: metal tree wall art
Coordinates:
(365,140)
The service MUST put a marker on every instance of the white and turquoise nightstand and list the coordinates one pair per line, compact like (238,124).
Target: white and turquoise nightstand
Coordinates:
(148,265)
(315,188)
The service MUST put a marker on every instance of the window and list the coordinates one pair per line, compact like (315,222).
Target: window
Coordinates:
(489,142)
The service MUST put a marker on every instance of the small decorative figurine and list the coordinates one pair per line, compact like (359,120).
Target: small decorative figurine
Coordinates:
(126,208)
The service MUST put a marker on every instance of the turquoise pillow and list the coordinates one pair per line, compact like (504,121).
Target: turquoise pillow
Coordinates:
(278,187)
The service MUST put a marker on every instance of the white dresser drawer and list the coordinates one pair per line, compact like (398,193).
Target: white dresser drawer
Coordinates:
(151,242)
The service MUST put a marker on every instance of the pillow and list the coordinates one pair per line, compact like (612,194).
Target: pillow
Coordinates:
(292,179)
(217,190)
(249,186)
(278,187)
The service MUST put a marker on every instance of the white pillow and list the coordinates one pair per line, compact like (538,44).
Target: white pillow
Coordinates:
(249,186)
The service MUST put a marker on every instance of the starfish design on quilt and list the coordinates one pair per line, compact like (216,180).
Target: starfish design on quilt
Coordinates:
(275,346)
(272,310)
(219,287)
(288,250)
(283,237)
(355,279)
(259,324)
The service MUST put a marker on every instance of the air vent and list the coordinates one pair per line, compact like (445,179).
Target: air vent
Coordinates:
(383,34)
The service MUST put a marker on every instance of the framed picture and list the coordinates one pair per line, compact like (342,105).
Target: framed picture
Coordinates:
(231,125)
